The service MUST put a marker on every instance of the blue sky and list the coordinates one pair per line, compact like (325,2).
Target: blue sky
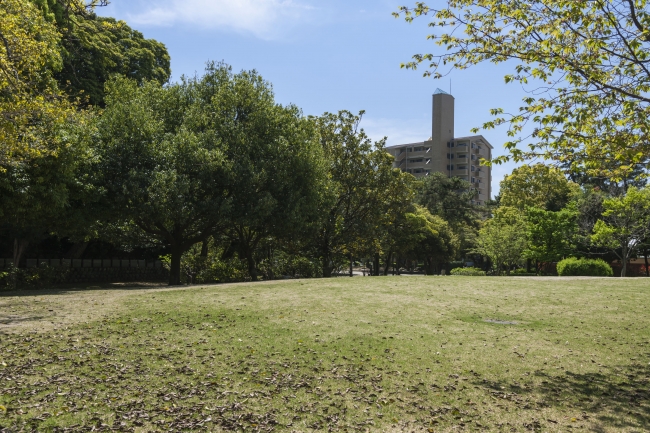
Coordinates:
(327,56)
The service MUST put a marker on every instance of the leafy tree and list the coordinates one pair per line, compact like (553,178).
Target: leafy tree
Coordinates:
(436,243)
(277,167)
(359,171)
(95,48)
(503,243)
(211,154)
(551,236)
(625,224)
(539,186)
(451,199)
(588,59)
(32,109)
(35,195)
(448,197)
(161,167)
(394,232)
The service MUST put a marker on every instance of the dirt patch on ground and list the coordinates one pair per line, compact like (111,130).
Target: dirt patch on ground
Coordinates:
(44,310)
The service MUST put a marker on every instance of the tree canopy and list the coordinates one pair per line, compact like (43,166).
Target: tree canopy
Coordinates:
(625,224)
(539,186)
(95,48)
(587,63)
(32,107)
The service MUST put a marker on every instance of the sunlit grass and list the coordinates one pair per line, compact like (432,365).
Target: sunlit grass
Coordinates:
(381,353)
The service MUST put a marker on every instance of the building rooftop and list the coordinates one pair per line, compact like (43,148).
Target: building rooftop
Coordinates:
(475,137)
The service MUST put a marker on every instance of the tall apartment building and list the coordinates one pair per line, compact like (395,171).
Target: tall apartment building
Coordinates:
(454,156)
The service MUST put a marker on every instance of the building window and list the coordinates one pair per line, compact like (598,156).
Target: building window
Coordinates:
(450,167)
(416,160)
(417,170)
(427,172)
(461,145)
(450,156)
(473,180)
(427,149)
(473,168)
(451,144)
(462,167)
(418,149)
(463,156)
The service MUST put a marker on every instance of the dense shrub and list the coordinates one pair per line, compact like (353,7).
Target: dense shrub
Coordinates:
(468,272)
(521,272)
(584,268)
(13,278)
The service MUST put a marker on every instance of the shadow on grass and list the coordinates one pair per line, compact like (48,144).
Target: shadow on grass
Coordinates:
(71,288)
(618,397)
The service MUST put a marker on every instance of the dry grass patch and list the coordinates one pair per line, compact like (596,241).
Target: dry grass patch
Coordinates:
(363,354)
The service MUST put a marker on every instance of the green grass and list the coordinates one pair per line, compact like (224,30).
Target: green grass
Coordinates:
(360,354)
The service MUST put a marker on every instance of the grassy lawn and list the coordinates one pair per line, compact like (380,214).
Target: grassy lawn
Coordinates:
(412,354)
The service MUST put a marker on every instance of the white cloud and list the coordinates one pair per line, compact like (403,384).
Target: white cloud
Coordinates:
(265,19)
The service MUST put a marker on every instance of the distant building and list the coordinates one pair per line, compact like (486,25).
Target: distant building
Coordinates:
(454,156)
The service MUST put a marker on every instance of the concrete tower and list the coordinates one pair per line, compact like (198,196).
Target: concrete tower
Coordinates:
(442,121)
(443,152)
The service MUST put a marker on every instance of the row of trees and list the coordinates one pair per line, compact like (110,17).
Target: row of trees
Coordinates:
(213,160)
(543,217)
(211,173)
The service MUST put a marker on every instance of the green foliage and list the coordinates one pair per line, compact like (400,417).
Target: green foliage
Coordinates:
(94,48)
(32,108)
(551,235)
(434,241)
(32,278)
(584,267)
(353,203)
(276,169)
(210,154)
(468,272)
(283,265)
(210,269)
(449,198)
(158,165)
(503,243)
(625,224)
(521,272)
(539,186)
(585,63)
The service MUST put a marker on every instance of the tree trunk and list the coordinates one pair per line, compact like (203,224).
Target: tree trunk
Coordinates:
(528,265)
(645,256)
(204,248)
(351,274)
(387,265)
(326,266)
(376,265)
(175,267)
(20,246)
(252,268)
